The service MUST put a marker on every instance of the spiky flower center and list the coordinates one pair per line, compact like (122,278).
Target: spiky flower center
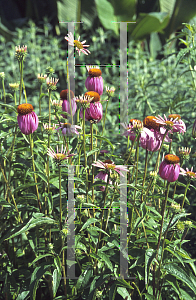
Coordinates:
(110,164)
(78,44)
(25,108)
(174,116)
(60,156)
(150,123)
(94,72)
(66,125)
(64,94)
(191,174)
(94,95)
(170,123)
(172,159)
(134,121)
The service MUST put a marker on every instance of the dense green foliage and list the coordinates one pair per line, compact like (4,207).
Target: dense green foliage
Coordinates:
(32,263)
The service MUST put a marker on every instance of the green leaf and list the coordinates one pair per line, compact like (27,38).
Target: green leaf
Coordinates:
(40,257)
(112,292)
(23,295)
(148,23)
(173,282)
(180,274)
(104,139)
(42,95)
(175,254)
(150,254)
(95,228)
(42,176)
(124,7)
(123,292)
(92,151)
(56,281)
(167,6)
(185,295)
(84,278)
(67,11)
(123,283)
(35,278)
(88,222)
(33,223)
(106,15)
(106,259)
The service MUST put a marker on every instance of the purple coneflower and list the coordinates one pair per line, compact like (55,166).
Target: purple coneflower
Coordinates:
(135,126)
(151,123)
(103,176)
(67,128)
(94,81)
(59,156)
(175,125)
(79,45)
(95,112)
(187,172)
(169,168)
(108,165)
(64,94)
(150,139)
(27,118)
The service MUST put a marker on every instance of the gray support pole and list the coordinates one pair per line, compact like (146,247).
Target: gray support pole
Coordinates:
(123,76)
(71,225)
(71,65)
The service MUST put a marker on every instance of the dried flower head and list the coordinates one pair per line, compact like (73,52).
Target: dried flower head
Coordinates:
(110,91)
(2,75)
(57,103)
(83,101)
(41,79)
(20,52)
(14,86)
(49,129)
(51,83)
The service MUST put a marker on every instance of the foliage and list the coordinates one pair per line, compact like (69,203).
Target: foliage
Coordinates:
(34,241)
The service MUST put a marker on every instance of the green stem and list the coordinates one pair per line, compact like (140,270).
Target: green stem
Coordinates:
(132,211)
(162,252)
(145,170)
(60,198)
(4,92)
(49,107)
(11,194)
(10,160)
(35,177)
(15,97)
(104,122)
(40,92)
(85,159)
(102,217)
(68,82)
(186,189)
(157,161)
(91,129)
(24,91)
(47,166)
(21,79)
(131,150)
(163,212)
